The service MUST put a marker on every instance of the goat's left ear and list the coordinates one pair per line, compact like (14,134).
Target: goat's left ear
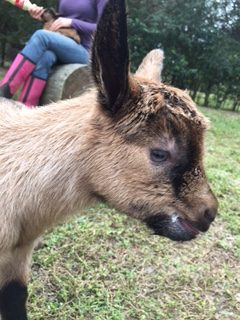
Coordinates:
(110,56)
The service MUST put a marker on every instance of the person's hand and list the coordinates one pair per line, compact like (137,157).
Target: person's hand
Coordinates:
(61,23)
(36,12)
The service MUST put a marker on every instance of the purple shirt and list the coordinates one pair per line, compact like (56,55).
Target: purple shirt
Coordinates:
(84,14)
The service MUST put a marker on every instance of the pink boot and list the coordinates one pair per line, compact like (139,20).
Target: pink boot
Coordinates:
(18,72)
(32,91)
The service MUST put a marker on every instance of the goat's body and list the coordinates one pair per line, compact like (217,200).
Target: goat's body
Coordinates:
(134,142)
(42,167)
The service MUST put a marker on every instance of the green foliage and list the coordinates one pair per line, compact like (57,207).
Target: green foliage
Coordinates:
(16,27)
(201,43)
(200,39)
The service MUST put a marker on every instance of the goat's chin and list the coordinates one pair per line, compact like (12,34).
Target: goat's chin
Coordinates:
(172,227)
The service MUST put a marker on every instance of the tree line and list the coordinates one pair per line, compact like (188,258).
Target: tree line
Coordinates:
(200,38)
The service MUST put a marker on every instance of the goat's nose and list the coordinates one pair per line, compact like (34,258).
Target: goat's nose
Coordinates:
(207,216)
(210,214)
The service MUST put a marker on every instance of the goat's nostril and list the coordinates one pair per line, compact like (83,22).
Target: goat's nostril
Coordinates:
(210,214)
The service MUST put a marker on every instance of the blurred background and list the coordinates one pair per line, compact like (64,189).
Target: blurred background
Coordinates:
(200,38)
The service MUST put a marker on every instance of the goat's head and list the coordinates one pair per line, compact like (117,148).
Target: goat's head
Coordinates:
(49,15)
(148,140)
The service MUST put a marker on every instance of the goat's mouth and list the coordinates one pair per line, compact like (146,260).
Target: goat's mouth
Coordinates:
(173,227)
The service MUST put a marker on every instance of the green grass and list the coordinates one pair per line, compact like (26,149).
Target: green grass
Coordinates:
(105,266)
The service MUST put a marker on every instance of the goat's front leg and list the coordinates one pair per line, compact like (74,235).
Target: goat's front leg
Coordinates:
(13,297)
(14,268)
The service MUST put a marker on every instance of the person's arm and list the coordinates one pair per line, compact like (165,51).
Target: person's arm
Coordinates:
(88,27)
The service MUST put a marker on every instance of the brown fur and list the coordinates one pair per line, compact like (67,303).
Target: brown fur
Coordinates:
(49,16)
(65,156)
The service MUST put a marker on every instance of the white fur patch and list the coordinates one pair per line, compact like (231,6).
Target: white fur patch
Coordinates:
(174,218)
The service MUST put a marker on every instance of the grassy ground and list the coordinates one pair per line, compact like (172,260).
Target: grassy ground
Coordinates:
(105,266)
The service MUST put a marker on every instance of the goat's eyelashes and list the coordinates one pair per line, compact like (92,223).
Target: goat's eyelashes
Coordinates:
(159,156)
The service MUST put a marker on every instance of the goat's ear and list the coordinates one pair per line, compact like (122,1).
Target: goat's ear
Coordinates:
(151,66)
(110,56)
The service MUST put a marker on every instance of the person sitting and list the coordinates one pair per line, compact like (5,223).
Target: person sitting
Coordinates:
(32,66)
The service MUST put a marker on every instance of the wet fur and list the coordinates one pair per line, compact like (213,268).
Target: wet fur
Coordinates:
(63,157)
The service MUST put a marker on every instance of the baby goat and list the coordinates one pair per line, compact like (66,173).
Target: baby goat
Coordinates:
(134,142)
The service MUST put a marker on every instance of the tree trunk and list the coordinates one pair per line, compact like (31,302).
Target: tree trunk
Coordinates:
(224,98)
(207,94)
(194,92)
(67,81)
(195,85)
(217,98)
(206,102)
(235,104)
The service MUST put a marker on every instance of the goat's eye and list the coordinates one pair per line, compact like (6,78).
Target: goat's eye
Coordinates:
(159,156)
